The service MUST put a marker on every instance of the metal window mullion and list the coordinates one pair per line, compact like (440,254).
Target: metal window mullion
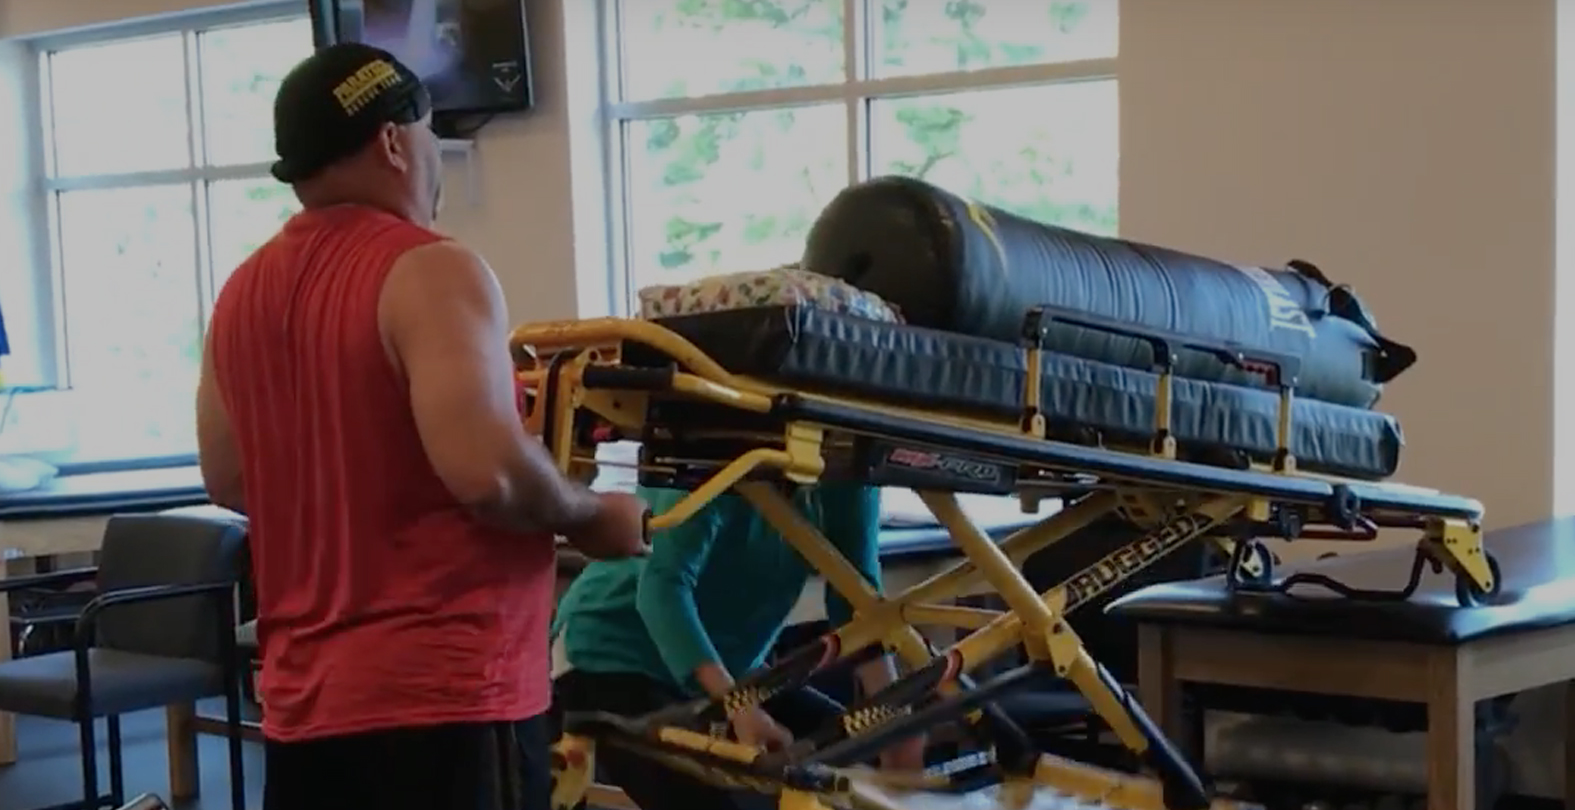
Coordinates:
(625,212)
(202,185)
(193,141)
(165,24)
(51,155)
(989,79)
(158,177)
(615,159)
(196,185)
(614,82)
(201,198)
(238,171)
(931,84)
(197,100)
(728,102)
(855,39)
(98,182)
(616,156)
(46,252)
(57,262)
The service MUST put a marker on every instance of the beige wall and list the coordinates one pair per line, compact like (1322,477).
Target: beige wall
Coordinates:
(1406,147)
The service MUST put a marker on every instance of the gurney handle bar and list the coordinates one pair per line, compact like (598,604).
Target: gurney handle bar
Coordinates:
(669,378)
(1282,369)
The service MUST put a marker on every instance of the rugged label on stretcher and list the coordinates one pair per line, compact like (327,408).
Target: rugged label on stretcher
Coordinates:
(1121,564)
(896,465)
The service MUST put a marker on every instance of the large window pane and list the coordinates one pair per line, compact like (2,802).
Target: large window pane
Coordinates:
(730,191)
(241,70)
(120,107)
(129,263)
(923,36)
(683,48)
(1048,152)
(242,215)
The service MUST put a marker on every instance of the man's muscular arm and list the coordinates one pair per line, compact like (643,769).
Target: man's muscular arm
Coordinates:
(445,326)
(217,455)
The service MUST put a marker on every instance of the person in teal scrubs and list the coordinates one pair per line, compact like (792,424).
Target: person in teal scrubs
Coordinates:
(704,608)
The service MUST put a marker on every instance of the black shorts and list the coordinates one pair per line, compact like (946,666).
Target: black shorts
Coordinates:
(463,766)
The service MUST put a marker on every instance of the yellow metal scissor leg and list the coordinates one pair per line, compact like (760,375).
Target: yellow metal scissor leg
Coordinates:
(1045,632)
(1111,788)
(799,800)
(804,537)
(573,768)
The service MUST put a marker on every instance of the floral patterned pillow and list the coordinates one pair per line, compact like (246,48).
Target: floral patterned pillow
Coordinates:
(782,286)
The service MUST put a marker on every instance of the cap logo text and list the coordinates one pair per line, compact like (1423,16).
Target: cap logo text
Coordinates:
(357,91)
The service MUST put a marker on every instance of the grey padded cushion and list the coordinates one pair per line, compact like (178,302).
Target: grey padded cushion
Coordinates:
(46,685)
(150,550)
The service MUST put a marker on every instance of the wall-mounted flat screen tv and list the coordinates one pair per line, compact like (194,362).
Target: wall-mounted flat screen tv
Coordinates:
(474,55)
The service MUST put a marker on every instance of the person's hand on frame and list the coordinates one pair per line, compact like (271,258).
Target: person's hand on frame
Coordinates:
(617,531)
(755,727)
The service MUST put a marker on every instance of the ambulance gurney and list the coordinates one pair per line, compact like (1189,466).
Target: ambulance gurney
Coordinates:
(951,264)
(802,381)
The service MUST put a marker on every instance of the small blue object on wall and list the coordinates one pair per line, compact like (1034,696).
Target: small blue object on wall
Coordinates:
(5,347)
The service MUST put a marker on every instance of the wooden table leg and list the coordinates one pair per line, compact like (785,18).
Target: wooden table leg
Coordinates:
(181,735)
(1451,734)
(1158,690)
(1569,745)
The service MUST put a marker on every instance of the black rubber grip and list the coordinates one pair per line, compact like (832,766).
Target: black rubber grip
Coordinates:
(628,378)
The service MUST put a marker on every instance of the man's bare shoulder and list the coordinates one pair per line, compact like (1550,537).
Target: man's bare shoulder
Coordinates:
(443,275)
(445,264)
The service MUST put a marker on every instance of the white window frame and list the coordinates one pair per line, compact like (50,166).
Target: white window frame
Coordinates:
(857,91)
(197,175)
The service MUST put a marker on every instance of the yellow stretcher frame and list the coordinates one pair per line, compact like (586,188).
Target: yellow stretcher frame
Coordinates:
(553,359)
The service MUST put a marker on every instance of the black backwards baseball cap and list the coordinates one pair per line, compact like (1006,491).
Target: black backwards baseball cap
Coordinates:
(334,103)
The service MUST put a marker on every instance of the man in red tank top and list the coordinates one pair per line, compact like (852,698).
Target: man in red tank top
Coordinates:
(356,403)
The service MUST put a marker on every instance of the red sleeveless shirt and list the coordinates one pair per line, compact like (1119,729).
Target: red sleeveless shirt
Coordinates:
(382,603)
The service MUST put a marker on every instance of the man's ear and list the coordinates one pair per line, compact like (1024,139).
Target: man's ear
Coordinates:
(392,147)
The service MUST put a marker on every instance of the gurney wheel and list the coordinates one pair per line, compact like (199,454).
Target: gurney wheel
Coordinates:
(1257,552)
(1469,595)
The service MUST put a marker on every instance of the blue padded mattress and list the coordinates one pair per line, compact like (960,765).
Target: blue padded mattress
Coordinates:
(823,352)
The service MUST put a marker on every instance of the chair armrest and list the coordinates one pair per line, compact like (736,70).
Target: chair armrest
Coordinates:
(146,801)
(53,579)
(88,621)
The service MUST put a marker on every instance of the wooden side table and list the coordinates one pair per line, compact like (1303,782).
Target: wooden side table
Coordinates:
(1426,650)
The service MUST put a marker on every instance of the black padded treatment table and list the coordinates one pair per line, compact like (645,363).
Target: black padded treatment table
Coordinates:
(1421,663)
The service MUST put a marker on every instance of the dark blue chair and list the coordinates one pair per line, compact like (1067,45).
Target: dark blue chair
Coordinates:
(161,631)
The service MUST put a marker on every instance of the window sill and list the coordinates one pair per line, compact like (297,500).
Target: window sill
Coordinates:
(93,494)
